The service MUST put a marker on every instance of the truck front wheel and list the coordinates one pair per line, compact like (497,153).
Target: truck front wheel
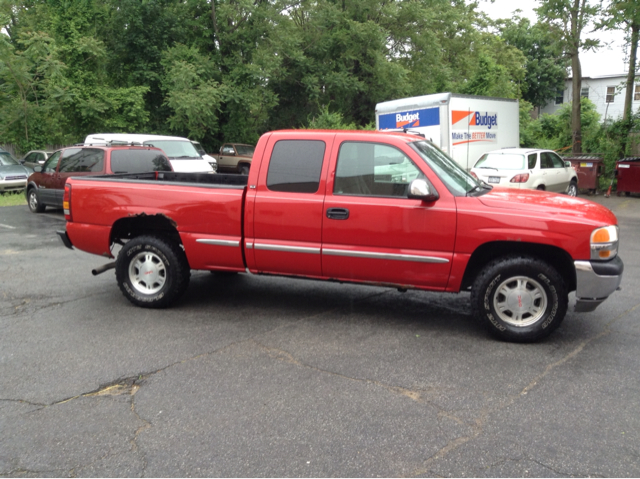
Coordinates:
(152,272)
(519,298)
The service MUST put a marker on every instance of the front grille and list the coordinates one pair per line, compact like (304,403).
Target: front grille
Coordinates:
(18,177)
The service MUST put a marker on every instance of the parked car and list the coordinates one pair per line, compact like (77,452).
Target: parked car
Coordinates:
(180,151)
(13,176)
(212,161)
(235,158)
(527,168)
(45,187)
(35,158)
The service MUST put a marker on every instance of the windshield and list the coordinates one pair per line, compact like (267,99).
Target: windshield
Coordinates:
(457,181)
(198,147)
(245,150)
(501,161)
(175,149)
(7,159)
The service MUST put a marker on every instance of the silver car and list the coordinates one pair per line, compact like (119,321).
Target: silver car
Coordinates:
(35,158)
(13,176)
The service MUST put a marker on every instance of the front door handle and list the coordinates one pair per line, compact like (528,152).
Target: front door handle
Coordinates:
(337,213)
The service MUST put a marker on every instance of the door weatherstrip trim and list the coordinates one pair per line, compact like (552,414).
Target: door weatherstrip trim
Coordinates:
(397,257)
(288,249)
(219,242)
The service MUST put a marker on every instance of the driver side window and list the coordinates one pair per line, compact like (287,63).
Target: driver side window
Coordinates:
(370,169)
(52,163)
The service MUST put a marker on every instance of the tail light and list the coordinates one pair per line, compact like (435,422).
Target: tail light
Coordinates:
(521,178)
(474,175)
(66,202)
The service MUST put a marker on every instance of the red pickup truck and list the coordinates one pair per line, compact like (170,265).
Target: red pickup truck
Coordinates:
(386,209)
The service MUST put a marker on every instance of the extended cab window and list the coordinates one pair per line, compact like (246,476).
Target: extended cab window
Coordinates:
(533,158)
(81,160)
(295,166)
(138,161)
(371,169)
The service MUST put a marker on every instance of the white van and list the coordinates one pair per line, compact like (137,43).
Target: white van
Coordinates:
(182,154)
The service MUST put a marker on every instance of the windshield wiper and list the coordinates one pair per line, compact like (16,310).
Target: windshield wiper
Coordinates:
(183,157)
(481,186)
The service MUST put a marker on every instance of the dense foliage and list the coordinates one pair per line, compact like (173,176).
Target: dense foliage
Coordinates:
(228,70)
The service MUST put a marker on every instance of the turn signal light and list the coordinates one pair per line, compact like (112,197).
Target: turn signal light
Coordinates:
(521,178)
(604,243)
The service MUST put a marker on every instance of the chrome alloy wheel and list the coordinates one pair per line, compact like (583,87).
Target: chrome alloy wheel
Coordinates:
(520,301)
(147,273)
(572,190)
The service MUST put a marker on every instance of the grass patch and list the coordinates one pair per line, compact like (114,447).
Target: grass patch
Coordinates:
(13,198)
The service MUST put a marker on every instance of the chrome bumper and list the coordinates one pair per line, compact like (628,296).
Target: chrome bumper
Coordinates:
(595,281)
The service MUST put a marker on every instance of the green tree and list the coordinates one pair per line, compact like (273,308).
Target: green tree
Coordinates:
(546,65)
(571,17)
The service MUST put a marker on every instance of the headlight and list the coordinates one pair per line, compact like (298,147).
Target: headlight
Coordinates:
(604,243)
(1,177)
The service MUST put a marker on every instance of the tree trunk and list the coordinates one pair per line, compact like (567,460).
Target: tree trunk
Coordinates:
(214,19)
(576,120)
(631,75)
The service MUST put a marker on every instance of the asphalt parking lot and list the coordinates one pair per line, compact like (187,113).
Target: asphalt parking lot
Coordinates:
(257,376)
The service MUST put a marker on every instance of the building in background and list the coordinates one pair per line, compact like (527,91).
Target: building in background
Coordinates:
(606,92)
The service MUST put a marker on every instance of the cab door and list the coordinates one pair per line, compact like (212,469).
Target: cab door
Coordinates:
(372,231)
(46,179)
(285,236)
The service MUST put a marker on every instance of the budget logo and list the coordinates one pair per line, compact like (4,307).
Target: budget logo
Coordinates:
(409,119)
(477,119)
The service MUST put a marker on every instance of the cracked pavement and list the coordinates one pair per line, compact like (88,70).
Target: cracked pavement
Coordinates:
(259,376)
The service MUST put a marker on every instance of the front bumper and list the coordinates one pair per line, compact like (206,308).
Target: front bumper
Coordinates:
(595,281)
(13,185)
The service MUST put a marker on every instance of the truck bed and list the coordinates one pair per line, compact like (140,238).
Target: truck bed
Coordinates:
(206,208)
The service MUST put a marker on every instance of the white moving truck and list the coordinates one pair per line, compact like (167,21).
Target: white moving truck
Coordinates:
(463,126)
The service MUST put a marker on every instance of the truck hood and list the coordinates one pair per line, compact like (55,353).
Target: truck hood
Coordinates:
(536,202)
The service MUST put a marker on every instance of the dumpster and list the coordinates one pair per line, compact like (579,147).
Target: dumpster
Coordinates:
(589,168)
(628,174)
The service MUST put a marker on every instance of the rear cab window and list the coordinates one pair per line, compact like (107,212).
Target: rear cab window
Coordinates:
(296,166)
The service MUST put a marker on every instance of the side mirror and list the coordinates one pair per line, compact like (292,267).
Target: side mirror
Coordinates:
(421,190)
(37,169)
(41,162)
(567,164)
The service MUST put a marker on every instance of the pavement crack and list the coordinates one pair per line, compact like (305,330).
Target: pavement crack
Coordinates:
(577,350)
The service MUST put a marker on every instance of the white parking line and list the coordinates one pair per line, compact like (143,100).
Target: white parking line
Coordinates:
(7,226)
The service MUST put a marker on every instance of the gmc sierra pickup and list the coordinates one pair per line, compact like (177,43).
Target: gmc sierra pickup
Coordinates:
(386,209)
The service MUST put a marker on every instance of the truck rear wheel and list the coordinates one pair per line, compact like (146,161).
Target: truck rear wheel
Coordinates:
(152,272)
(519,298)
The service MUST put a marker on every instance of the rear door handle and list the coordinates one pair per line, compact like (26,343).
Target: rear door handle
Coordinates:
(337,213)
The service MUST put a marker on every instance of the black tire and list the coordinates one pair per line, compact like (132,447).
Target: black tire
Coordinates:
(34,202)
(572,190)
(541,188)
(243,169)
(519,298)
(159,259)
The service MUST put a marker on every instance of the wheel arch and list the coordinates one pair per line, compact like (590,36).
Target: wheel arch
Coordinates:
(555,256)
(143,224)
